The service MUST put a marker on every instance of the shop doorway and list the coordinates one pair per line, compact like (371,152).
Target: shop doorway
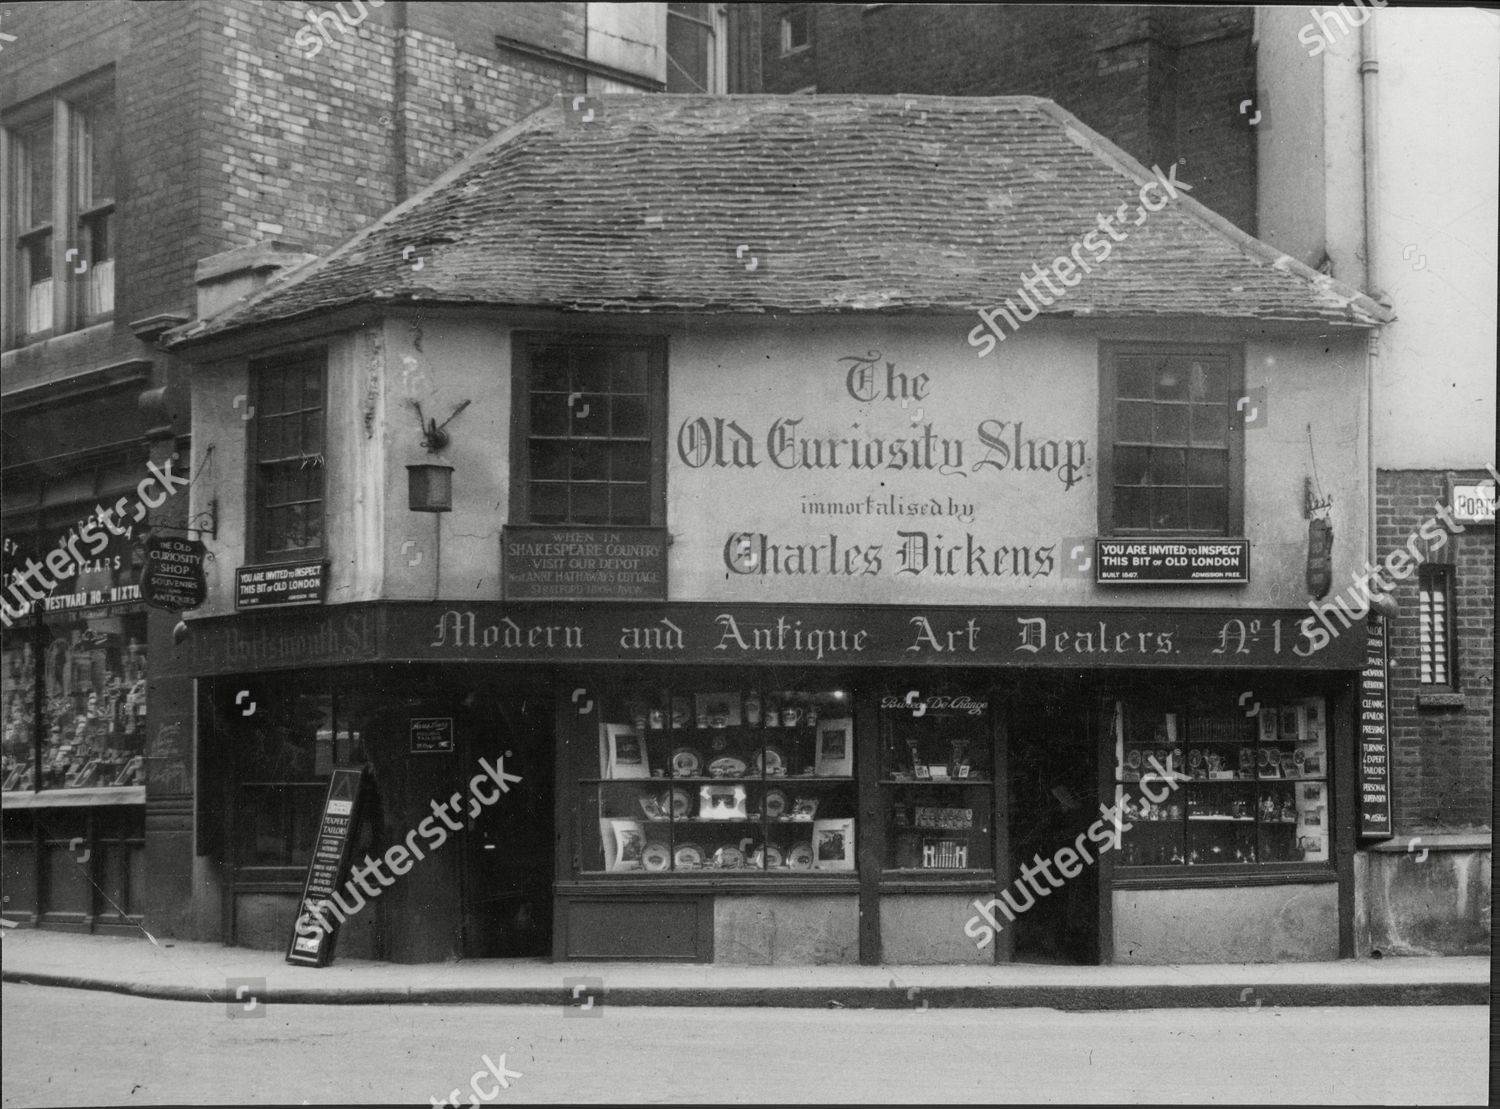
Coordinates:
(1053,783)
(507,881)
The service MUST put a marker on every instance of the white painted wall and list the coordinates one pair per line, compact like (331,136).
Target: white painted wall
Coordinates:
(632,37)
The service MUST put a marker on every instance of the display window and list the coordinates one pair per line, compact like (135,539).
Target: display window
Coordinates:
(1209,780)
(721,778)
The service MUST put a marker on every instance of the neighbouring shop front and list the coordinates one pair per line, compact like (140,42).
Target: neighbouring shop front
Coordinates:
(795,784)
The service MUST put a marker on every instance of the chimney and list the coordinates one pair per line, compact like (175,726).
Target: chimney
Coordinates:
(227,278)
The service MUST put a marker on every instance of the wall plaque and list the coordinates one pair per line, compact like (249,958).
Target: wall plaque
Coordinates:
(1172,561)
(431,735)
(583,563)
(287,583)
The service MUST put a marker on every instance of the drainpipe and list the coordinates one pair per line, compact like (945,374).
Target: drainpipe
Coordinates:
(1369,72)
(398,104)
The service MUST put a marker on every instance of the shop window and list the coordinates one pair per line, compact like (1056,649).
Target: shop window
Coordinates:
(796,31)
(937,780)
(284,756)
(1202,783)
(590,427)
(1171,445)
(749,781)
(60,181)
(1435,603)
(695,41)
(286,437)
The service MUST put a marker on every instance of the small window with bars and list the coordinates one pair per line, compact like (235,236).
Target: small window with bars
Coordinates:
(287,449)
(1435,631)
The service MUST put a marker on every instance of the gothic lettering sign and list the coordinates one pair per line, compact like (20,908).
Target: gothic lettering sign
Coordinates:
(740,634)
(174,579)
(315,931)
(1374,737)
(584,564)
(1172,561)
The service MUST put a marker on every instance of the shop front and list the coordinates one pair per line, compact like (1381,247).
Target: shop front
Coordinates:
(795,784)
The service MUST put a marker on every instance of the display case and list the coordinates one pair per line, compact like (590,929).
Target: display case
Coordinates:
(1205,782)
(749,781)
(937,781)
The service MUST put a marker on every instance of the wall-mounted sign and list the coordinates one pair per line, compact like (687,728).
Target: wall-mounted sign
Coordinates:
(1172,561)
(314,932)
(1374,738)
(1473,501)
(431,735)
(174,580)
(583,563)
(289,583)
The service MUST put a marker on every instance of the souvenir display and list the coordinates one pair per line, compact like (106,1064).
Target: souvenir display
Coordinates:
(835,750)
(682,803)
(728,766)
(728,858)
(775,804)
(718,710)
(623,752)
(833,844)
(688,856)
(624,841)
(656,856)
(654,807)
(752,709)
(680,712)
(800,857)
(768,761)
(804,808)
(686,763)
(721,802)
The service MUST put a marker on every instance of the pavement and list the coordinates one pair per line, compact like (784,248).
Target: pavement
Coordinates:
(178,970)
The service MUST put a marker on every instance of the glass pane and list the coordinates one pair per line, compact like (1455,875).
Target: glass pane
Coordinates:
(632,462)
(1168,466)
(630,416)
(1134,379)
(1135,422)
(1171,423)
(549,502)
(268,439)
(590,462)
(1207,467)
(1132,507)
(590,504)
(1208,380)
(313,525)
(1130,465)
(39,262)
(629,372)
(549,369)
(99,135)
(629,504)
(591,370)
(271,392)
(1170,507)
(1210,424)
(312,433)
(549,414)
(312,388)
(590,414)
(549,459)
(687,56)
(38,146)
(1171,380)
(1210,510)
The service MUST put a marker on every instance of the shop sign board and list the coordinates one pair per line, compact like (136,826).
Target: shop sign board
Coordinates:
(313,935)
(287,583)
(431,735)
(1374,737)
(1172,561)
(583,563)
(174,579)
(1473,502)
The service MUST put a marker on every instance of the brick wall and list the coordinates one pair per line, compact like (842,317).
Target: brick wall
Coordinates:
(1163,83)
(1442,758)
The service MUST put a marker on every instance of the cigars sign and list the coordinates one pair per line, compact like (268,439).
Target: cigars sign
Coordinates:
(872,473)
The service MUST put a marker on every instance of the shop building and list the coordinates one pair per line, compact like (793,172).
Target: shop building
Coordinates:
(134,139)
(817,615)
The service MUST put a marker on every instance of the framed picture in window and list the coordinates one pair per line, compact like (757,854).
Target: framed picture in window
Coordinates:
(835,750)
(623,752)
(833,844)
(721,802)
(624,844)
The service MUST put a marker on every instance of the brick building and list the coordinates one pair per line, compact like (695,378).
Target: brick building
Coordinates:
(143,147)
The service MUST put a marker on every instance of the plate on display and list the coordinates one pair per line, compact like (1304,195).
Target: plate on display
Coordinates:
(656,856)
(688,856)
(773,856)
(686,763)
(775,804)
(654,808)
(769,761)
(800,857)
(682,801)
(729,858)
(727,767)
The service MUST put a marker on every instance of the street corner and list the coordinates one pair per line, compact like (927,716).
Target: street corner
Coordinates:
(585,997)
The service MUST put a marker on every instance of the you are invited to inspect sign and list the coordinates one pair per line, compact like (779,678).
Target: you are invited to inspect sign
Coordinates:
(583,564)
(294,583)
(1174,561)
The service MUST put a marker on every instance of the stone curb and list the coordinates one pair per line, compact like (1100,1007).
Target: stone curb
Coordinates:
(1082,998)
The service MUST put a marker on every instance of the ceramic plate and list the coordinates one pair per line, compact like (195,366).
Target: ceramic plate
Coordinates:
(800,857)
(772,758)
(682,801)
(729,858)
(775,804)
(773,856)
(656,856)
(689,856)
(655,808)
(727,767)
(686,762)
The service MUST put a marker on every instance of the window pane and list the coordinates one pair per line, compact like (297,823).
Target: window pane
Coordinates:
(629,374)
(37,143)
(632,462)
(1134,378)
(39,258)
(1171,380)
(98,184)
(549,414)
(591,414)
(591,373)
(549,459)
(689,55)
(1210,424)
(1130,465)
(312,433)
(549,369)
(1208,380)
(630,504)
(1209,510)
(1168,466)
(630,418)
(1208,467)
(1135,423)
(1132,507)
(590,504)
(590,462)
(1170,509)
(1171,423)
(549,503)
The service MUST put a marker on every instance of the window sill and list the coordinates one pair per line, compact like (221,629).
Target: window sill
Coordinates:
(1218,877)
(1440,699)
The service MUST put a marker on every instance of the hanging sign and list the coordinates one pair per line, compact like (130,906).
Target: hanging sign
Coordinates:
(174,580)
(1374,738)
(316,928)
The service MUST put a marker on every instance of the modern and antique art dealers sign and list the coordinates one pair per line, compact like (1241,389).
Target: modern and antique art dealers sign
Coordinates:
(842,635)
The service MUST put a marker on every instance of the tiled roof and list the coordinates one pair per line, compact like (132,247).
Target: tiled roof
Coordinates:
(798,204)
